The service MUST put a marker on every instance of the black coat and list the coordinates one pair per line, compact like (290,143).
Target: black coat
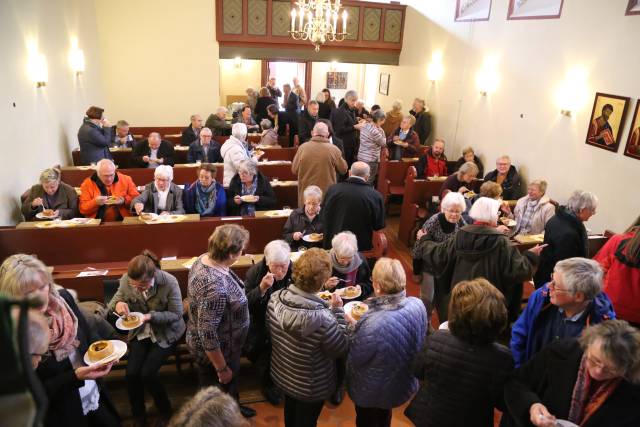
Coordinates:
(263,190)
(261,107)
(352,205)
(511,186)
(422,125)
(567,237)
(165,151)
(94,142)
(283,120)
(305,126)
(60,382)
(298,221)
(343,119)
(324,112)
(549,378)
(188,135)
(196,152)
(462,382)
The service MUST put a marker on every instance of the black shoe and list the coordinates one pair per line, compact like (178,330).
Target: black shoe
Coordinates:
(247,412)
(273,395)
(336,398)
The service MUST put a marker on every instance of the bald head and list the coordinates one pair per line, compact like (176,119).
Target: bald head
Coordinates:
(320,129)
(360,169)
(106,171)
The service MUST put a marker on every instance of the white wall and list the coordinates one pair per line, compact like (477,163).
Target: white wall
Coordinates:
(355,78)
(40,130)
(235,81)
(522,117)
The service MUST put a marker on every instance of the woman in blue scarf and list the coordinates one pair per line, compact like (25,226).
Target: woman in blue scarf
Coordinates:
(205,196)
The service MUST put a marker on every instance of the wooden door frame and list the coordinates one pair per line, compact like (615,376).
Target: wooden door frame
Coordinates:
(264,78)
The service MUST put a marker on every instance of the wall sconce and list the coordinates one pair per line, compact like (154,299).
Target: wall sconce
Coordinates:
(76,58)
(572,92)
(435,69)
(333,65)
(487,78)
(38,70)
(237,62)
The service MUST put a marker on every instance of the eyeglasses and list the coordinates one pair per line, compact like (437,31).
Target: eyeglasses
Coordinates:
(607,370)
(552,284)
(43,357)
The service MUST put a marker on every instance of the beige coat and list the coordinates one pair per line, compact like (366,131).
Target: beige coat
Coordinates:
(543,213)
(316,163)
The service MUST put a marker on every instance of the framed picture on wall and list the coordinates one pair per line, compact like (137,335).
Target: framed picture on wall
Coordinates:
(472,10)
(633,141)
(383,86)
(336,80)
(534,9)
(633,8)
(607,119)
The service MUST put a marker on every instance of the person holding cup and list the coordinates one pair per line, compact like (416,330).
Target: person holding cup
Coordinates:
(94,136)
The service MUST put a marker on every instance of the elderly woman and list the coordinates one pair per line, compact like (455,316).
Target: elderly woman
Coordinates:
(591,381)
(209,407)
(463,368)
(492,190)
(146,289)
(620,260)
(205,196)
(468,155)
(51,194)
(480,250)
(306,344)
(534,210)
(262,280)
(565,234)
(348,266)
(305,220)
(75,393)
(218,311)
(383,345)
(245,117)
(372,139)
(161,196)
(460,180)
(269,136)
(94,136)
(234,151)
(562,308)
(392,118)
(264,100)
(249,181)
(404,141)
(439,228)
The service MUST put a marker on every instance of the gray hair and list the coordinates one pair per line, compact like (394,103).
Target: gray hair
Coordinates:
(582,200)
(320,129)
(105,163)
(620,343)
(314,102)
(360,102)
(165,171)
(466,150)
(193,116)
(351,94)
(206,130)
(541,184)
(485,210)
(345,244)
(312,191)
(468,168)
(397,105)
(377,115)
(50,175)
(453,198)
(360,169)
(19,272)
(121,123)
(581,275)
(265,124)
(222,110)
(239,130)
(248,166)
(277,251)
(320,97)
(504,157)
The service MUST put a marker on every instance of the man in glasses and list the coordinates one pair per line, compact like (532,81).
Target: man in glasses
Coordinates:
(562,308)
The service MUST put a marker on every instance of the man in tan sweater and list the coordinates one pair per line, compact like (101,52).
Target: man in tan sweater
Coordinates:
(317,162)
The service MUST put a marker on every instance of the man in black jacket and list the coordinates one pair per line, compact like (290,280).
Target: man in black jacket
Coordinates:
(307,121)
(353,205)
(204,150)
(343,120)
(507,176)
(292,109)
(192,132)
(152,152)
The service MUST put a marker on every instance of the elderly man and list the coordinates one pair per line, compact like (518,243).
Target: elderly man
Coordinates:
(217,122)
(122,139)
(204,150)
(161,196)
(533,211)
(562,308)
(353,205)
(152,152)
(433,162)
(192,132)
(273,89)
(343,120)
(307,121)
(507,176)
(107,194)
(422,126)
(246,117)
(234,151)
(94,136)
(317,162)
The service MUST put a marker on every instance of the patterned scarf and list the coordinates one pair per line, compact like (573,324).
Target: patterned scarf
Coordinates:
(586,399)
(249,208)
(63,327)
(525,221)
(206,199)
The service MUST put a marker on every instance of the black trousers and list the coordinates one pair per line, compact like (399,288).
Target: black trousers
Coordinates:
(372,417)
(263,365)
(104,416)
(207,376)
(301,414)
(145,360)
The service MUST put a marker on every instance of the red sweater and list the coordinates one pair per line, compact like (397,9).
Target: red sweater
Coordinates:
(622,280)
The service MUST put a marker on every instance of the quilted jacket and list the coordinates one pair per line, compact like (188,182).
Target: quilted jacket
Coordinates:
(383,344)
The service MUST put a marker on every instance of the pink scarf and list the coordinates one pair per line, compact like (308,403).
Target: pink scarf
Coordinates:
(584,401)
(63,327)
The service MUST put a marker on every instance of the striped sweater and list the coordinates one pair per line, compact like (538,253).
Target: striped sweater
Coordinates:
(372,139)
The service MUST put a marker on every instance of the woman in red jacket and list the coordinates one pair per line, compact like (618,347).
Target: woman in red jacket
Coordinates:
(620,259)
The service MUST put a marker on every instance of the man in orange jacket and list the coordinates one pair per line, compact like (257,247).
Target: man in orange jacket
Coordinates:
(107,194)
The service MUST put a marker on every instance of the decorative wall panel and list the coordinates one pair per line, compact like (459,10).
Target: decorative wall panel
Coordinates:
(232,16)
(353,22)
(257,25)
(281,18)
(371,30)
(392,26)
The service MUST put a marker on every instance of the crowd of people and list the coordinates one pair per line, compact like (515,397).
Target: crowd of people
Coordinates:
(572,353)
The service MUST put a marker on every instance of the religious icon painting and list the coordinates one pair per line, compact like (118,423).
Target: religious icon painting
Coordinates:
(607,119)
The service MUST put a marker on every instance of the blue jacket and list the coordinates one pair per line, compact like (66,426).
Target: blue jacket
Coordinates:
(382,346)
(94,142)
(189,200)
(523,333)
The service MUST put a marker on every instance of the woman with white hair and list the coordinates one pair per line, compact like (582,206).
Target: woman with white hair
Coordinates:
(75,392)
(51,196)
(480,250)
(269,135)
(393,117)
(565,234)
(439,228)
(349,267)
(249,181)
(161,196)
(271,274)
(234,151)
(305,220)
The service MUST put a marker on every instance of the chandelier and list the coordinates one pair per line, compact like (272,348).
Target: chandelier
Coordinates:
(317,21)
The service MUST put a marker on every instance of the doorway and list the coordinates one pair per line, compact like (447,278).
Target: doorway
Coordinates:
(285,71)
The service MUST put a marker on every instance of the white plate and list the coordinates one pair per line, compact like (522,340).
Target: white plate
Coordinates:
(119,324)
(153,216)
(307,238)
(119,350)
(348,306)
(39,215)
(565,423)
(342,290)
(248,199)
(278,213)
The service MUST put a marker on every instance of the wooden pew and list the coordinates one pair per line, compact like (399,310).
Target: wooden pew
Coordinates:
(392,174)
